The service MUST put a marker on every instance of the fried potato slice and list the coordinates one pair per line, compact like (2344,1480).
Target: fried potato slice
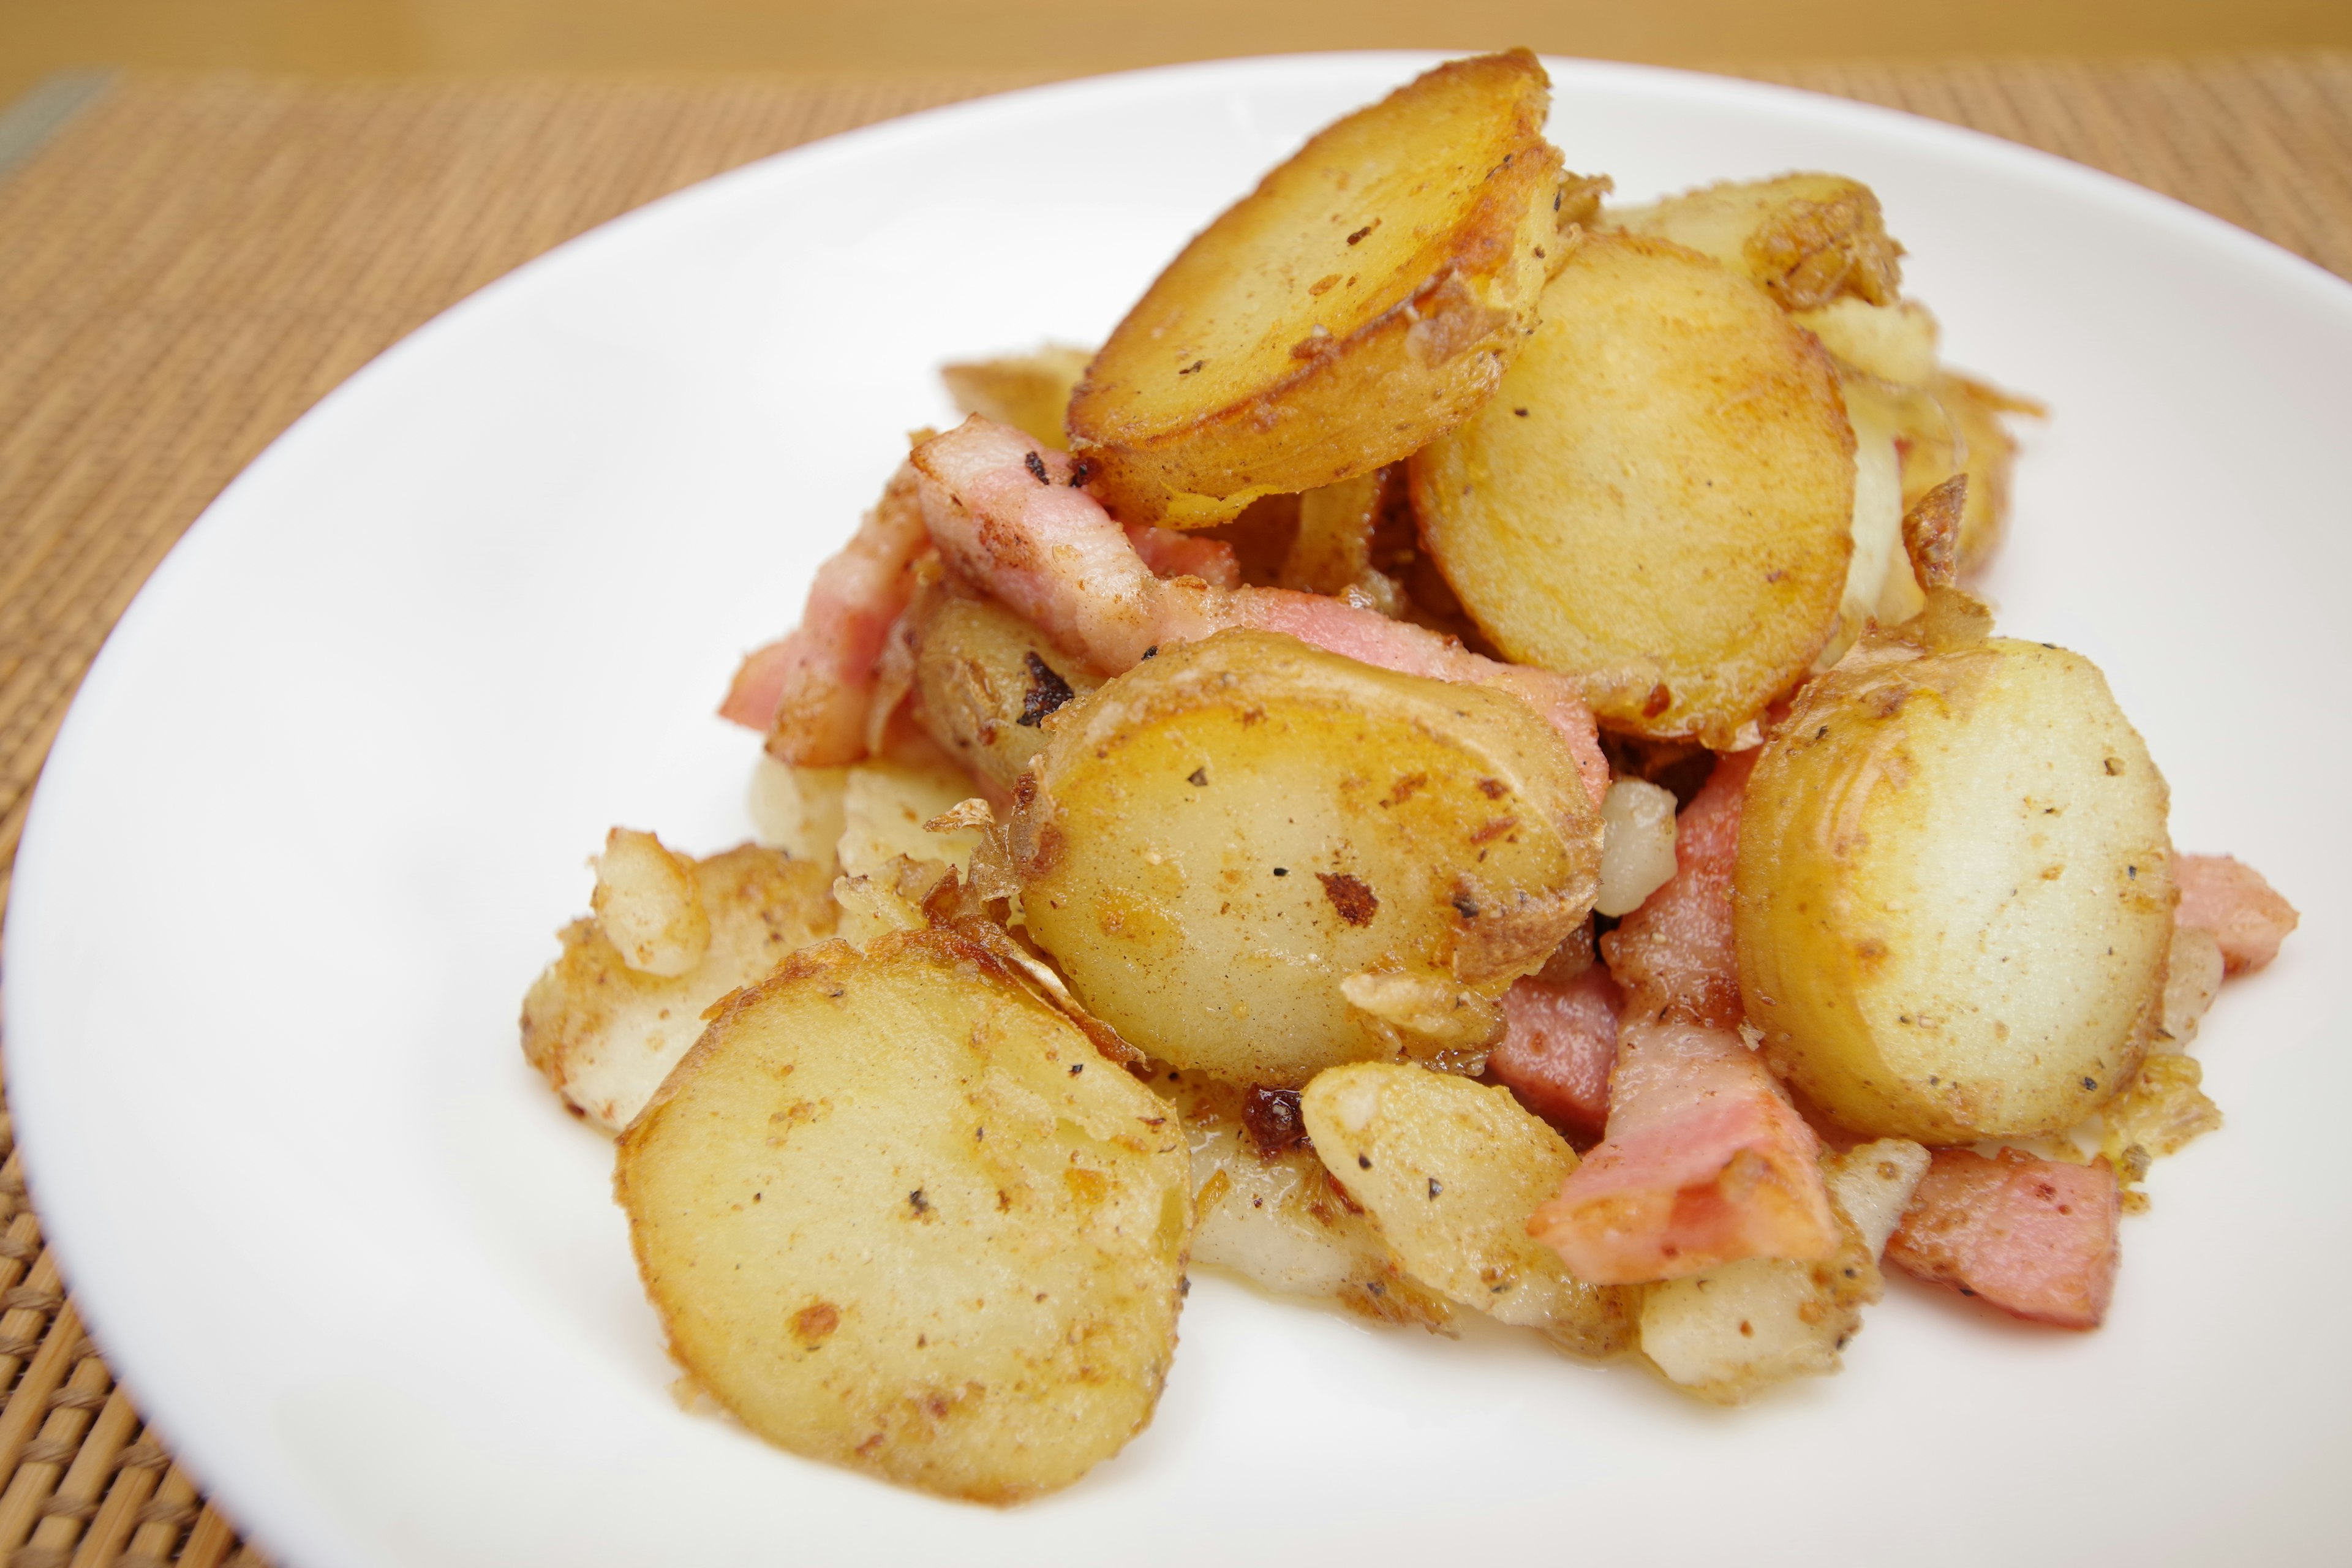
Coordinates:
(1805,239)
(886,807)
(1451,1170)
(1259,860)
(987,680)
(1661,499)
(647,904)
(1953,900)
(797,809)
(1029,392)
(1366,297)
(896,1212)
(605,1034)
(1730,1333)
(1264,1207)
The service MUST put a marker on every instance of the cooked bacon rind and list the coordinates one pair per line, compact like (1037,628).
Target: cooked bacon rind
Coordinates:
(2223,895)
(2035,1237)
(1559,1043)
(814,690)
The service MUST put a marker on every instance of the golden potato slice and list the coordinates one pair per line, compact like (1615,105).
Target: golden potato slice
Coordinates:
(797,809)
(605,1033)
(1661,498)
(1806,239)
(886,807)
(1953,898)
(1265,1208)
(986,682)
(646,906)
(1366,297)
(1258,859)
(898,1213)
(1894,342)
(1029,392)
(1451,1170)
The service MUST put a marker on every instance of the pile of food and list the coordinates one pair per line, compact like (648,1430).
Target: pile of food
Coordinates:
(1446,769)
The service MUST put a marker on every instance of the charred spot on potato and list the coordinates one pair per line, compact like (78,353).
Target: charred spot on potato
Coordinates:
(1047,690)
(1355,901)
(1271,1116)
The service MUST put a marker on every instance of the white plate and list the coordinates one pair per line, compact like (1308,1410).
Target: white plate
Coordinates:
(330,789)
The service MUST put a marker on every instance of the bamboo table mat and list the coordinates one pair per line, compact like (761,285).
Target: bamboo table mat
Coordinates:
(187,264)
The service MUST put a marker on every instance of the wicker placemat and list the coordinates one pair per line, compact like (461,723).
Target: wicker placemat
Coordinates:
(189,264)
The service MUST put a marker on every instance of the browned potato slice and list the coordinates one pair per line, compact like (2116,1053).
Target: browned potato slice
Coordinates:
(1659,499)
(898,1213)
(987,681)
(1451,1170)
(1029,392)
(1264,1207)
(1953,894)
(646,906)
(1259,860)
(1366,297)
(1805,238)
(605,1033)
(1894,342)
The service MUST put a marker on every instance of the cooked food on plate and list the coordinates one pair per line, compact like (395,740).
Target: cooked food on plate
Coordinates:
(1449,769)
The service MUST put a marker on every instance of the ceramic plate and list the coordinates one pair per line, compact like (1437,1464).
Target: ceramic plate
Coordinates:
(330,789)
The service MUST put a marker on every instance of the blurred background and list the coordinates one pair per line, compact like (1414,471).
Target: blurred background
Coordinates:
(1070,37)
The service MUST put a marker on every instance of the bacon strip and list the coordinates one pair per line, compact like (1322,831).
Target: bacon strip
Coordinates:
(811,691)
(1558,1043)
(1705,1162)
(2231,900)
(1674,952)
(1003,513)
(1172,554)
(2034,1237)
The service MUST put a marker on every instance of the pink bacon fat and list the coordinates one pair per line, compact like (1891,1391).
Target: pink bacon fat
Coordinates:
(1005,515)
(1705,1162)
(1675,952)
(2034,1237)
(2231,900)
(811,690)
(1559,1043)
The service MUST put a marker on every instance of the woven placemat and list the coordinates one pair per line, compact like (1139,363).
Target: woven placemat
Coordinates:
(190,263)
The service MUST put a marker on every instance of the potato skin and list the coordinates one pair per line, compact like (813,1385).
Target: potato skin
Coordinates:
(1223,845)
(1805,239)
(1366,297)
(987,680)
(1953,898)
(897,1212)
(1659,499)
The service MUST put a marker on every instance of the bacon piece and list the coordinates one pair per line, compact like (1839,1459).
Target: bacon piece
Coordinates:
(1559,1043)
(2231,900)
(1675,953)
(2035,1237)
(811,690)
(1705,1162)
(1003,513)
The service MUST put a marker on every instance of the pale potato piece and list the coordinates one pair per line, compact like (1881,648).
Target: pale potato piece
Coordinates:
(797,809)
(2192,978)
(987,680)
(884,808)
(1728,1335)
(1894,342)
(1365,298)
(1274,1216)
(898,1213)
(646,906)
(1451,1170)
(1953,898)
(1879,584)
(1637,845)
(605,1034)
(1215,844)
(1806,239)
(1029,392)
(1660,499)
